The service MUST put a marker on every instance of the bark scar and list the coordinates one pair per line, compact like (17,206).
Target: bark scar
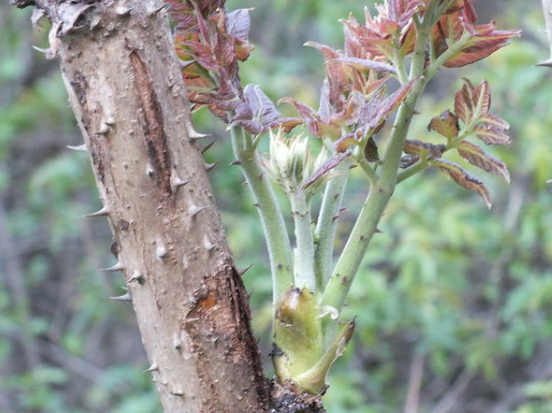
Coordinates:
(156,140)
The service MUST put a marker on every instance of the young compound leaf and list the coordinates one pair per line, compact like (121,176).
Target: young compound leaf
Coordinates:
(463,178)
(256,112)
(492,131)
(366,64)
(446,124)
(478,157)
(428,150)
(472,102)
(327,166)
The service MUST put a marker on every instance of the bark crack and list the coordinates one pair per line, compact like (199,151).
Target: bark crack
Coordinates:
(156,140)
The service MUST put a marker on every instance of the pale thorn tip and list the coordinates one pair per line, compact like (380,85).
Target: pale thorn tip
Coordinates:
(155,10)
(177,182)
(193,134)
(49,53)
(99,213)
(80,148)
(244,270)
(117,267)
(209,246)
(136,277)
(194,210)
(104,128)
(161,251)
(124,297)
(209,166)
(122,10)
(154,367)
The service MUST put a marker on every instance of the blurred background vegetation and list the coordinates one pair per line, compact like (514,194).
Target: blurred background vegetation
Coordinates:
(453,302)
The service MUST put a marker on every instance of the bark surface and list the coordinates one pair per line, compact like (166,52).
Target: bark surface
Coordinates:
(125,88)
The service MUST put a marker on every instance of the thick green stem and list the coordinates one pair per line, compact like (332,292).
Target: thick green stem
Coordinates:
(380,193)
(327,222)
(277,239)
(304,250)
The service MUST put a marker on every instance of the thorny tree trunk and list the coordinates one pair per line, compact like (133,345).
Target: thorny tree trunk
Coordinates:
(125,88)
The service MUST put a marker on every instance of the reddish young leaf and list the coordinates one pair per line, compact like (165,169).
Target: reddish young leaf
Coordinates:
(471,103)
(495,121)
(377,110)
(256,112)
(463,178)
(478,157)
(446,124)
(491,135)
(416,147)
(327,166)
(366,64)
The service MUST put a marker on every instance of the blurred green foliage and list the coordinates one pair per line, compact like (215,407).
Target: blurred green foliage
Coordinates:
(463,291)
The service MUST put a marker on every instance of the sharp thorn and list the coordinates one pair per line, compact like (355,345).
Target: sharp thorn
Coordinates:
(104,128)
(136,277)
(244,183)
(192,134)
(49,53)
(110,121)
(185,63)
(378,231)
(353,166)
(103,211)
(335,217)
(208,146)
(124,297)
(177,182)
(80,148)
(256,205)
(243,271)
(153,367)
(209,166)
(209,246)
(161,251)
(157,10)
(117,267)
(193,211)
(234,163)
(342,209)
(42,50)
(122,10)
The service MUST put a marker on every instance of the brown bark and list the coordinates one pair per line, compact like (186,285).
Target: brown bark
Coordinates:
(125,87)
(126,90)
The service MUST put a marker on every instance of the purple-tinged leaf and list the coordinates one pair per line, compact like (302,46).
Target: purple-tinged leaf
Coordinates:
(256,112)
(342,144)
(416,147)
(463,102)
(463,178)
(491,135)
(495,121)
(446,124)
(367,64)
(376,110)
(238,24)
(327,166)
(478,157)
